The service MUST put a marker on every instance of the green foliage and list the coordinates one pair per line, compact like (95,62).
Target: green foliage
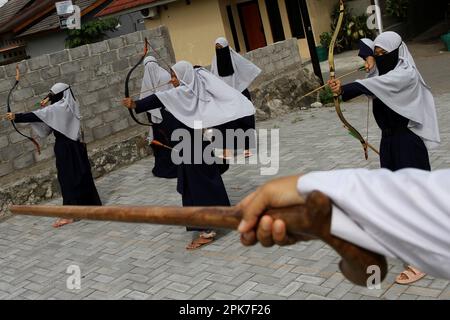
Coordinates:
(353,29)
(397,8)
(326,95)
(325,39)
(90,32)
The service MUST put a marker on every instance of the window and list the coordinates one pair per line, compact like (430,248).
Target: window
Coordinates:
(295,18)
(237,47)
(276,25)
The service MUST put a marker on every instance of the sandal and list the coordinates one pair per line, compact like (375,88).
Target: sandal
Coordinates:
(410,275)
(205,237)
(198,243)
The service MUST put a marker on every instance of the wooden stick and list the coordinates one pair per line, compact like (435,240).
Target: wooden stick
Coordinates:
(312,220)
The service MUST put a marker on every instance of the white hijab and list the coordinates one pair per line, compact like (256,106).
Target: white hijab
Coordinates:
(405,91)
(155,79)
(245,72)
(203,97)
(62,116)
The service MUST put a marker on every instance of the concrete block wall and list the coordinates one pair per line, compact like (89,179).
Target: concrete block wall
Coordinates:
(276,56)
(96,73)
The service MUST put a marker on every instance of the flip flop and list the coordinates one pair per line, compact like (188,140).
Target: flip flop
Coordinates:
(411,275)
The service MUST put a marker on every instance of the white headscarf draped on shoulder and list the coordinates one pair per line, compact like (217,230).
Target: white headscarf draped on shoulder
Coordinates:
(203,97)
(405,91)
(245,72)
(155,79)
(62,116)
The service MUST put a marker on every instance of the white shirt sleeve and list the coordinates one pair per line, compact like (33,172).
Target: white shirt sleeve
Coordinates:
(403,214)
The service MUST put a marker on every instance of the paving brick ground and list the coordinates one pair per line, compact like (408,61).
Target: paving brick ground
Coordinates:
(136,261)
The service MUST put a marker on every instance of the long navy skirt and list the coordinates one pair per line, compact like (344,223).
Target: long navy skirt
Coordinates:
(74,172)
(162,132)
(402,149)
(201,185)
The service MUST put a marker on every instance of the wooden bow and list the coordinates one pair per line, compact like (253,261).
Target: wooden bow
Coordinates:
(8,108)
(355,133)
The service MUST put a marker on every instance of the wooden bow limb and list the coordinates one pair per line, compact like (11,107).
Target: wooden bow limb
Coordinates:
(9,110)
(341,77)
(355,133)
(367,144)
(311,220)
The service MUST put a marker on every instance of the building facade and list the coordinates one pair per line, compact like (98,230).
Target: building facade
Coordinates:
(247,24)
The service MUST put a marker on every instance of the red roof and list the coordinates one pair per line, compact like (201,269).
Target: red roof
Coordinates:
(122,5)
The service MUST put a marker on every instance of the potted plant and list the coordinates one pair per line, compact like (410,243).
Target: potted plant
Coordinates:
(322,50)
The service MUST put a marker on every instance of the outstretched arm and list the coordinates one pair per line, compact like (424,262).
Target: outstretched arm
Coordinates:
(23,117)
(143,105)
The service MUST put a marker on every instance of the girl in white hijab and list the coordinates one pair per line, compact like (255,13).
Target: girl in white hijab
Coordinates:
(199,100)
(403,107)
(238,73)
(63,118)
(157,79)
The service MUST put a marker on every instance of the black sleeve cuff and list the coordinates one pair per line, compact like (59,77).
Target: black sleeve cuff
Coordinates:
(149,103)
(26,118)
(353,90)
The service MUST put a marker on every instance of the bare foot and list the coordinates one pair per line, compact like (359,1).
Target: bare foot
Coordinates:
(62,222)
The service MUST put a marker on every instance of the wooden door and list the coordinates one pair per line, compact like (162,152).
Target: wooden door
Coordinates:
(252,26)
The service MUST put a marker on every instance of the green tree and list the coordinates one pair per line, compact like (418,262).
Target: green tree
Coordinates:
(354,28)
(90,32)
(397,8)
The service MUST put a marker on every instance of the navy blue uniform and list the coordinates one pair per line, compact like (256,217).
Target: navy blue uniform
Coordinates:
(73,168)
(164,167)
(400,147)
(199,184)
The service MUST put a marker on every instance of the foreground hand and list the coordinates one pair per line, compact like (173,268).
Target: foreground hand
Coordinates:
(128,103)
(274,194)
(335,86)
(10,116)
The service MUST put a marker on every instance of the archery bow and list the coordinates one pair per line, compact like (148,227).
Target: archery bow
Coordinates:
(353,132)
(8,108)
(127,80)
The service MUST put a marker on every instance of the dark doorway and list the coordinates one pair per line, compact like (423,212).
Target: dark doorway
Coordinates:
(252,26)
